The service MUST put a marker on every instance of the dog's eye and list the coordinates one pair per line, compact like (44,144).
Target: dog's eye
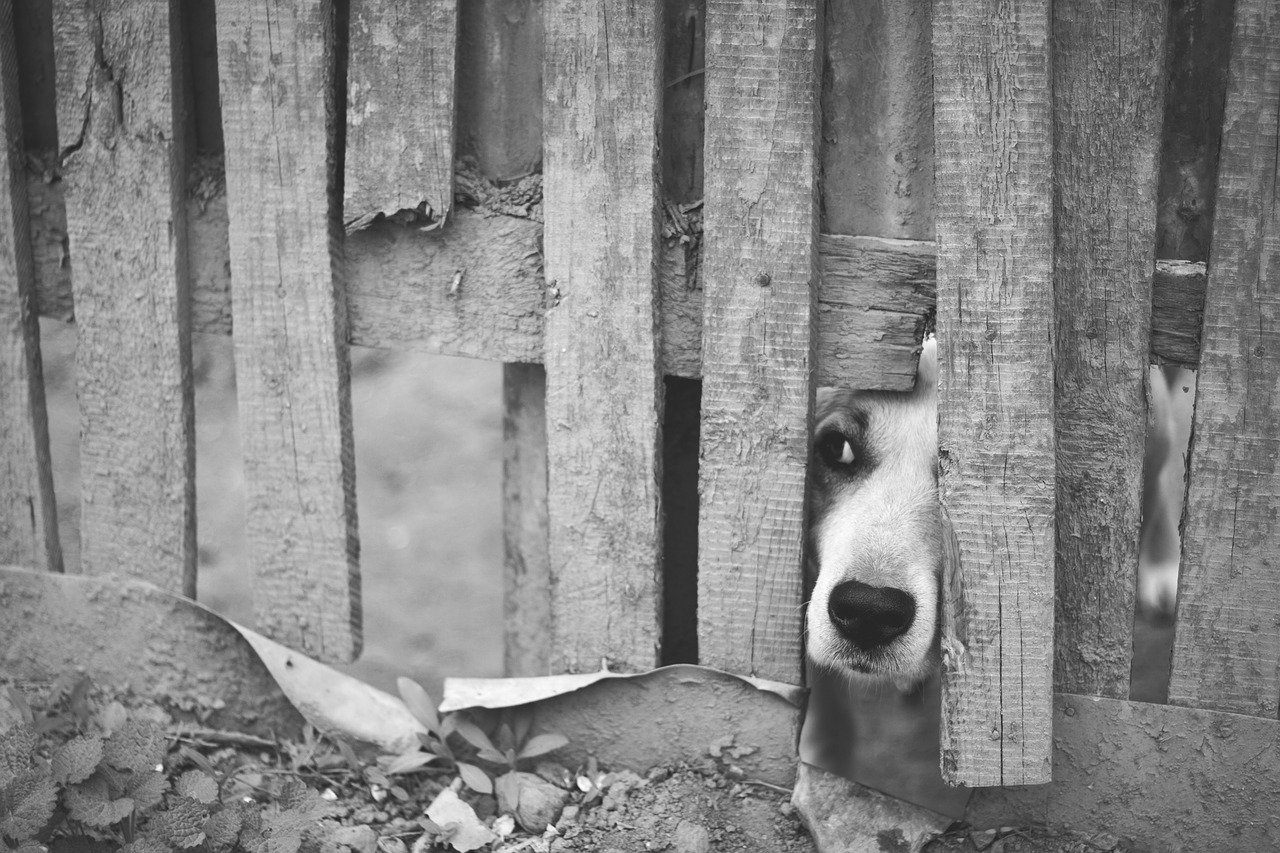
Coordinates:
(837,450)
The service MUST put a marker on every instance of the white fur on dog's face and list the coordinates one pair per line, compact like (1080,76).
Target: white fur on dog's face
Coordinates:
(874,518)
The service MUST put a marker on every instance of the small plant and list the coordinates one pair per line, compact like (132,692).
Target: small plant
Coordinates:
(106,787)
(511,744)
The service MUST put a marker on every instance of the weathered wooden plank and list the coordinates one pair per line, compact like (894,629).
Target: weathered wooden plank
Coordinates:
(124,170)
(1158,777)
(28,512)
(877,119)
(604,396)
(995,422)
(277,65)
(527,590)
(400,67)
(760,273)
(1108,81)
(1227,650)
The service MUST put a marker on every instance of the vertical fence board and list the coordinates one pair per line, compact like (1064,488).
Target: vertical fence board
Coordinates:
(1108,72)
(995,424)
(399,152)
(601,114)
(1227,649)
(279,119)
(759,275)
(527,624)
(125,177)
(28,512)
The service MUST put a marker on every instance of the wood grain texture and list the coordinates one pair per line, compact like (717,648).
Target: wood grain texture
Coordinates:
(995,414)
(124,171)
(28,511)
(527,574)
(400,67)
(877,119)
(1177,312)
(1118,766)
(279,119)
(1108,87)
(1227,650)
(604,396)
(760,273)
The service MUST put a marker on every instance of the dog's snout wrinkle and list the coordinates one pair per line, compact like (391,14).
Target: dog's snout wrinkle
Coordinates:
(870,616)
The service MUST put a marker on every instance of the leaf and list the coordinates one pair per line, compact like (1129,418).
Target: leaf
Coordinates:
(222,828)
(542,744)
(75,760)
(419,703)
(348,754)
(521,722)
(27,801)
(182,824)
(146,789)
(507,788)
(506,740)
(492,755)
(410,761)
(197,759)
(90,803)
(19,703)
(198,786)
(475,778)
(138,745)
(17,746)
(472,734)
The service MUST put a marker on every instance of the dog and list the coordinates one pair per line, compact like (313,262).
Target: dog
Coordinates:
(875,532)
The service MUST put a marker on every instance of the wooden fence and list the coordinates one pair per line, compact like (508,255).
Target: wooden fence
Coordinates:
(1021,168)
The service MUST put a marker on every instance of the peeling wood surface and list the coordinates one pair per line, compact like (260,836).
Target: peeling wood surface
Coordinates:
(276,64)
(1227,651)
(604,383)
(995,411)
(1108,86)
(28,511)
(1177,313)
(527,574)
(400,69)
(123,168)
(760,275)
(1161,778)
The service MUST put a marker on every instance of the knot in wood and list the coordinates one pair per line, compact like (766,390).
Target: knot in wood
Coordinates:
(764,279)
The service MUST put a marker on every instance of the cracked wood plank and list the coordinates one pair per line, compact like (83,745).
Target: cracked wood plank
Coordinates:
(28,512)
(760,273)
(604,394)
(1227,651)
(1108,73)
(995,411)
(400,68)
(277,66)
(121,127)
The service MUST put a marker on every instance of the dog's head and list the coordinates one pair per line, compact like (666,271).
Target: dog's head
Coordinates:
(875,531)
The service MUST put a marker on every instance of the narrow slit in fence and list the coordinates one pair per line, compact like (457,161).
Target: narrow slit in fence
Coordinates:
(123,139)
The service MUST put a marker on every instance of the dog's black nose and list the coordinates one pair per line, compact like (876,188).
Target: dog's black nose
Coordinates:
(870,616)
